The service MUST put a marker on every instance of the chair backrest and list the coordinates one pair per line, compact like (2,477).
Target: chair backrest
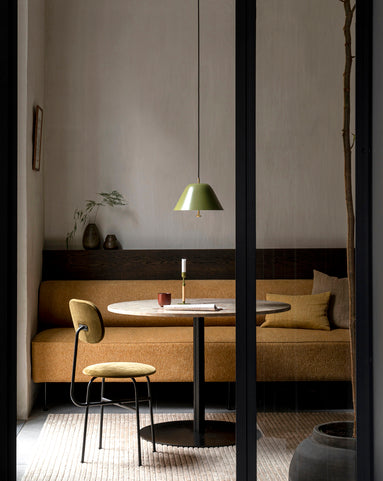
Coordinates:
(86,313)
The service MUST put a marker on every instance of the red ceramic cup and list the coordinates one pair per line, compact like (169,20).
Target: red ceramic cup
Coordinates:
(164,298)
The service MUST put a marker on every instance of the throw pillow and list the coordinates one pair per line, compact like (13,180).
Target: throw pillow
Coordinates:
(307,312)
(338,306)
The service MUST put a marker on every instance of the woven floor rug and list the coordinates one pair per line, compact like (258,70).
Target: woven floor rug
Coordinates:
(57,454)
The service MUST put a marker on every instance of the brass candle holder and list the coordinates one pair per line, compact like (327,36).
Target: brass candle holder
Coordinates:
(183,275)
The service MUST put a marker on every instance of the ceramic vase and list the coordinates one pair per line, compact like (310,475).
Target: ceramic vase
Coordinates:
(91,237)
(111,242)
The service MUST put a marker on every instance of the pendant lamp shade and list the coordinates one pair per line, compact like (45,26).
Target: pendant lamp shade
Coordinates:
(198,196)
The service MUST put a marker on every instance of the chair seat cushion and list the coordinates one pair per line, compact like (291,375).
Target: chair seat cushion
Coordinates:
(119,370)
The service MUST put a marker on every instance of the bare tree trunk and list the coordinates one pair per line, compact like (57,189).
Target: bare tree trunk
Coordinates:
(347,147)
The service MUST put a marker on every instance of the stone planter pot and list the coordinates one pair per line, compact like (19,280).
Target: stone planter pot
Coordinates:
(326,457)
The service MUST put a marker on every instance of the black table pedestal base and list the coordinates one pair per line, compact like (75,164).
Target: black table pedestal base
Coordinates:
(181,433)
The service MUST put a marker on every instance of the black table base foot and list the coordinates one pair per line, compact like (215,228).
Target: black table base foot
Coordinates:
(181,433)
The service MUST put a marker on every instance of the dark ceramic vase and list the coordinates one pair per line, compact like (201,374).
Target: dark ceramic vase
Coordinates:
(91,237)
(111,242)
(326,457)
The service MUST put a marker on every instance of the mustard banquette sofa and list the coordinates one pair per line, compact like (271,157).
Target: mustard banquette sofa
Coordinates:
(167,343)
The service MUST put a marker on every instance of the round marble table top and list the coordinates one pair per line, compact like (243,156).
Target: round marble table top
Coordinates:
(226,307)
(272,307)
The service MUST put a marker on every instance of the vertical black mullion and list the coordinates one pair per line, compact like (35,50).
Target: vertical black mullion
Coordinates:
(199,378)
(363,252)
(246,432)
(8,251)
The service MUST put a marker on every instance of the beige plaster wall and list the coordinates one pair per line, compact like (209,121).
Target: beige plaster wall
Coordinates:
(31,46)
(121,113)
(300,186)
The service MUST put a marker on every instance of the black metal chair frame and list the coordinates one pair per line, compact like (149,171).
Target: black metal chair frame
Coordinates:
(123,403)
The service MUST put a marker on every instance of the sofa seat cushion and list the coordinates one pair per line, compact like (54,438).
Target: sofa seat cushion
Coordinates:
(303,355)
(169,349)
(282,354)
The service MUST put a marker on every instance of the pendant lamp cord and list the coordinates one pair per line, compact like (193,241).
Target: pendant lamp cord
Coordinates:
(198,70)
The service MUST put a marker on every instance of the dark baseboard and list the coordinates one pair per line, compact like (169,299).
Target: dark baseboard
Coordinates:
(271,396)
(304,395)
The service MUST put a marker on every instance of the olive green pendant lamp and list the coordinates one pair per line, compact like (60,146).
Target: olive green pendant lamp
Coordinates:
(198,196)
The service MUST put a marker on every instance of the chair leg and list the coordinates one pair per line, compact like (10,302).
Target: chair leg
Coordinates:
(101,412)
(86,418)
(138,421)
(151,413)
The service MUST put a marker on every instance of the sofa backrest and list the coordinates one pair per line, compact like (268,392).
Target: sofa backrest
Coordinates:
(54,297)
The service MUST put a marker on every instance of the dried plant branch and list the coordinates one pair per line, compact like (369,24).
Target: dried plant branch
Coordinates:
(347,146)
(111,199)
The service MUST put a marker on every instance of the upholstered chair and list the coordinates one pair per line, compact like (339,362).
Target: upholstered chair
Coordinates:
(89,327)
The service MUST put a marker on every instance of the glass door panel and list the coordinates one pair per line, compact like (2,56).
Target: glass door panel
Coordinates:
(303,354)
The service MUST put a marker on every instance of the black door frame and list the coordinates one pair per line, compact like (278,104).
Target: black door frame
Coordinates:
(363,252)
(245,237)
(245,270)
(8,239)
(246,245)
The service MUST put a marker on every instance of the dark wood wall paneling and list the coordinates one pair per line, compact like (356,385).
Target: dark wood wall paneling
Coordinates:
(201,263)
